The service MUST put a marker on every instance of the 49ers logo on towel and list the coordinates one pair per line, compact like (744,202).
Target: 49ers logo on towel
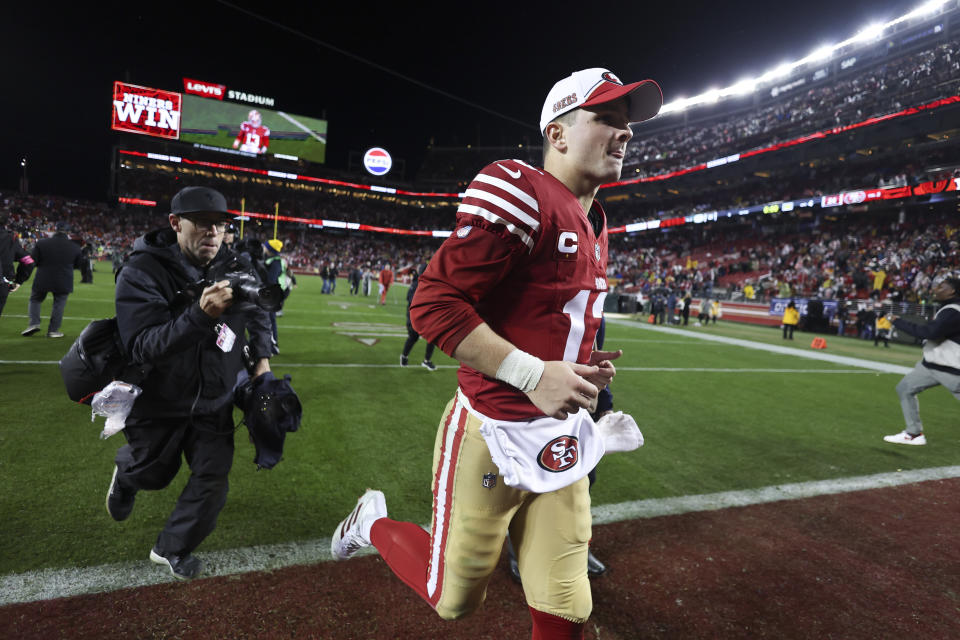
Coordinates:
(560,454)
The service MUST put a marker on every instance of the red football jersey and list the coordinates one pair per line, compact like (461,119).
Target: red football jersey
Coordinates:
(523,258)
(253,138)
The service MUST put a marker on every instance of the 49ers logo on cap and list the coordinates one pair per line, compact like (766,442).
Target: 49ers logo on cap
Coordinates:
(609,77)
(560,454)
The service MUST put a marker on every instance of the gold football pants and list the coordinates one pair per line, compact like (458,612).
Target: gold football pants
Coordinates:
(472,511)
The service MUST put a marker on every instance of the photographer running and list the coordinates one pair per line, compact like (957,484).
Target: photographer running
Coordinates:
(191,334)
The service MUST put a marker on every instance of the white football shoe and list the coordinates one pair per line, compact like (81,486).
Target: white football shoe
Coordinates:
(353,533)
(906,438)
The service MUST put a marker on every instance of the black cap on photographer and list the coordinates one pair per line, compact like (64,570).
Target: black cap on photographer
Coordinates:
(199,200)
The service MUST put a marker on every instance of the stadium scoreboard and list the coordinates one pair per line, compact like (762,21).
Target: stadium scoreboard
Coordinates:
(213,116)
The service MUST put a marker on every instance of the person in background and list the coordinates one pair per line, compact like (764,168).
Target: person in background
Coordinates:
(56,258)
(386,279)
(412,335)
(12,253)
(882,331)
(716,310)
(940,364)
(367,279)
(277,273)
(356,275)
(86,263)
(791,318)
(842,308)
(229,235)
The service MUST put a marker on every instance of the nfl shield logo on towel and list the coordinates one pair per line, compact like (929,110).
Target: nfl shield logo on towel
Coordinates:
(489,480)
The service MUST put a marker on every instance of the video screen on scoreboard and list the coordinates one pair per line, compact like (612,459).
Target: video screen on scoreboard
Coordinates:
(252,129)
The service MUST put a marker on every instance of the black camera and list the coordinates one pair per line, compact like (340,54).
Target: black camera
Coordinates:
(245,284)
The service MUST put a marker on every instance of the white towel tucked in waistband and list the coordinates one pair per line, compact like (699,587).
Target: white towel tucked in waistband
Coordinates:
(547,454)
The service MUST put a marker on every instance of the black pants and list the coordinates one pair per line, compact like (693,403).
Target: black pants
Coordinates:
(151,459)
(412,337)
(788,328)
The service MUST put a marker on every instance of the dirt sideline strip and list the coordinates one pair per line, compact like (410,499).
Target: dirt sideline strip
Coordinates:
(48,584)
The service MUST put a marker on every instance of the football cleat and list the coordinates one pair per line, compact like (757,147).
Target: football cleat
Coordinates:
(403,360)
(906,438)
(428,365)
(353,533)
(595,568)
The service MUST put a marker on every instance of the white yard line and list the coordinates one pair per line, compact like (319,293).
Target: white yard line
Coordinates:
(352,365)
(46,584)
(771,348)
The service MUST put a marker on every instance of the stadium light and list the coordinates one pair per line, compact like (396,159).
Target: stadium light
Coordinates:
(778,72)
(822,53)
(866,35)
(747,85)
(673,105)
(926,8)
(869,33)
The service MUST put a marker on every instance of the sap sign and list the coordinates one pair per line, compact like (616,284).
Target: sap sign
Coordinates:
(377,161)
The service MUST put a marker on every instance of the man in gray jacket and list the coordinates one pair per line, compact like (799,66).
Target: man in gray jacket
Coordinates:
(177,314)
(941,359)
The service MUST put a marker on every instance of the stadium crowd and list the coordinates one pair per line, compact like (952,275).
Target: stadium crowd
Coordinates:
(886,87)
(886,255)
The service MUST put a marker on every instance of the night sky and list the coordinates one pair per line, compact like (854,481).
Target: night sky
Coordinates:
(59,66)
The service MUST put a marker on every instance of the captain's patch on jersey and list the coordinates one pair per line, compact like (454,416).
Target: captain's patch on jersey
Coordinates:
(567,245)
(559,454)
(463,232)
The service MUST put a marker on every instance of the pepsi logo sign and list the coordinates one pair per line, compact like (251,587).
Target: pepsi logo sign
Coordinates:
(560,454)
(377,161)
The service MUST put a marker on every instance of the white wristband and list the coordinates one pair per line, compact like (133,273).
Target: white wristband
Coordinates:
(521,370)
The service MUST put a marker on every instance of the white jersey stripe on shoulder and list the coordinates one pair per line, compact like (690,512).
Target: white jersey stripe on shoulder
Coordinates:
(494,218)
(512,189)
(500,203)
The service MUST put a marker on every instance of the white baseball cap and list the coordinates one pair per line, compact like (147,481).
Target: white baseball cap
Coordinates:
(597,86)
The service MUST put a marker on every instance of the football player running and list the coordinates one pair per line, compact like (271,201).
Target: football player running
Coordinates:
(516,295)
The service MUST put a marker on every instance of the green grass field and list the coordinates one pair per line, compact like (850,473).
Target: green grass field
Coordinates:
(765,419)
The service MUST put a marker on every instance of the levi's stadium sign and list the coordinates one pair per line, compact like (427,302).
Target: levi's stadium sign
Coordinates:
(147,111)
(205,89)
(377,161)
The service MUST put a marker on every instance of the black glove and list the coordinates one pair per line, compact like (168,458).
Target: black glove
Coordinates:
(604,403)
(270,408)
